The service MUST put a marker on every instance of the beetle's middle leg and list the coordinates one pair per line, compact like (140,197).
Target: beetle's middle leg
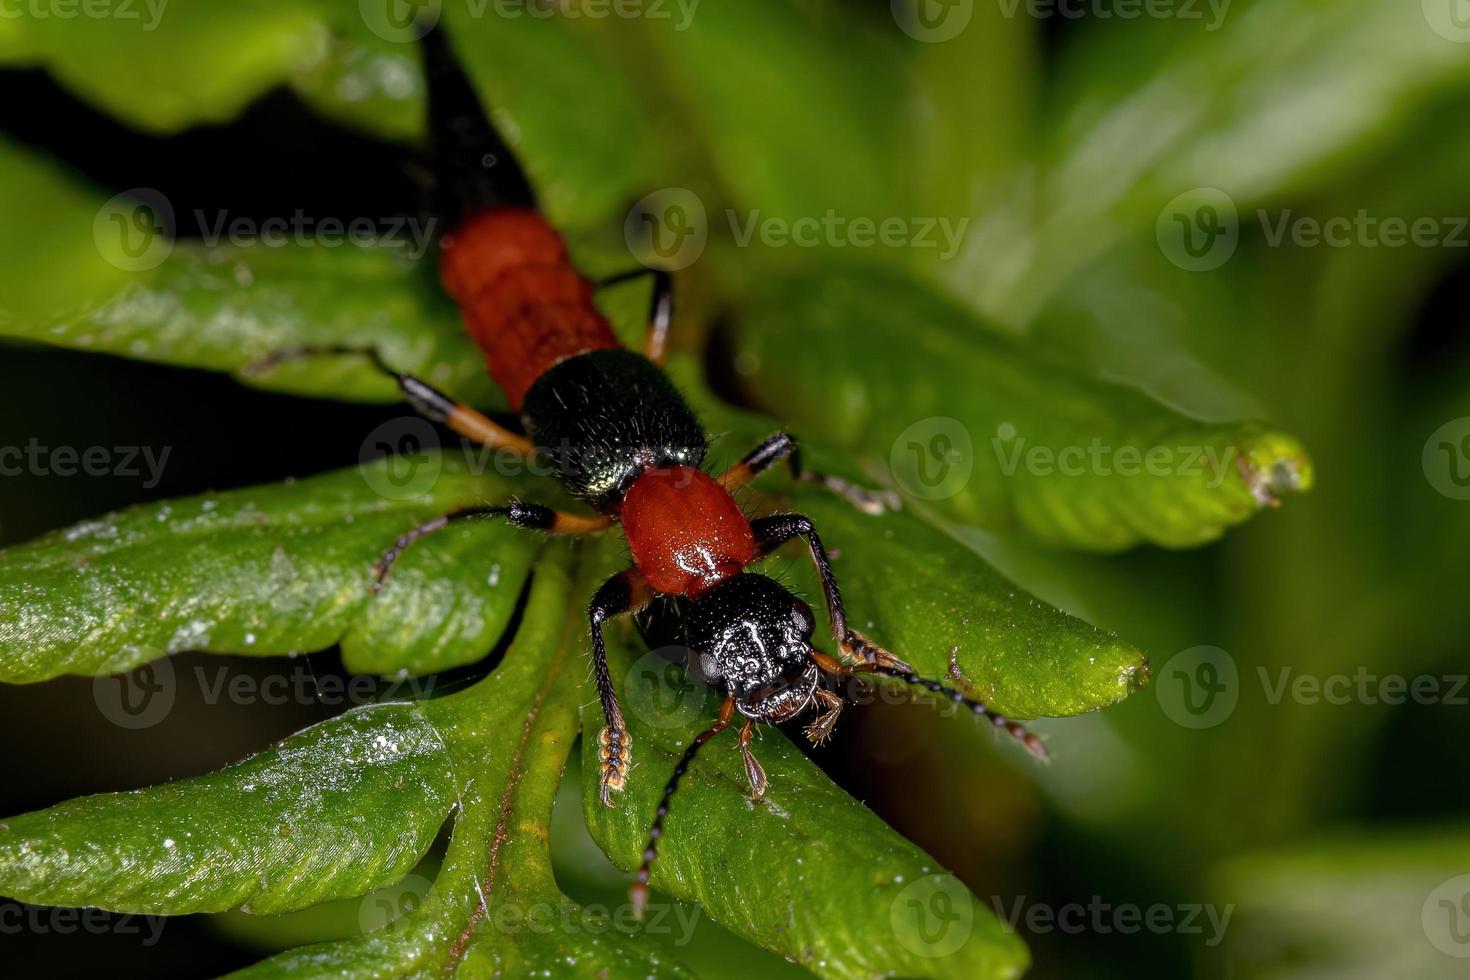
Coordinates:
(782,445)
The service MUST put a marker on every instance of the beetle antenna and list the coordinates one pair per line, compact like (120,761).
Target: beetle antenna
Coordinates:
(1014,729)
(638,891)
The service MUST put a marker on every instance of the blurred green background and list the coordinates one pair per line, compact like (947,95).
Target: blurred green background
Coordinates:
(1264,791)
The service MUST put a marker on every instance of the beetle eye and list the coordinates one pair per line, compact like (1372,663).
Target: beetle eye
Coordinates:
(709,665)
(801,616)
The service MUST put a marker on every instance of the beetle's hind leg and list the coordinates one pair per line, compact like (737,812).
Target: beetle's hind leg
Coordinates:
(660,310)
(516,514)
(427,400)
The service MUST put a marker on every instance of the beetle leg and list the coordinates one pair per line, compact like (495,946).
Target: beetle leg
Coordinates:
(821,726)
(660,311)
(782,445)
(427,400)
(753,770)
(625,592)
(774,531)
(516,514)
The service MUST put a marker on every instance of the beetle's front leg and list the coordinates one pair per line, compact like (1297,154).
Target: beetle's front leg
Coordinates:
(625,592)
(753,770)
(774,531)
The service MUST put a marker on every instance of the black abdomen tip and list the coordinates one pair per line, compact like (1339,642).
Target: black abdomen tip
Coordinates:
(474,169)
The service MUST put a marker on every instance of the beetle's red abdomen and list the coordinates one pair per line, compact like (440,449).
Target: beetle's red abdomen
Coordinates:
(685,530)
(522,302)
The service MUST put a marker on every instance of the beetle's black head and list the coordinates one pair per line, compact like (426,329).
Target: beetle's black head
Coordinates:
(753,638)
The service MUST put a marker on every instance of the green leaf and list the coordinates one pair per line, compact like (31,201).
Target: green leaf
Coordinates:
(1387,902)
(272,570)
(582,133)
(736,68)
(495,907)
(367,82)
(989,434)
(331,812)
(164,66)
(1261,105)
(971,110)
(808,872)
(132,291)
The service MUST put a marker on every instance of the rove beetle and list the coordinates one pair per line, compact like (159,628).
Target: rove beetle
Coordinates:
(619,436)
